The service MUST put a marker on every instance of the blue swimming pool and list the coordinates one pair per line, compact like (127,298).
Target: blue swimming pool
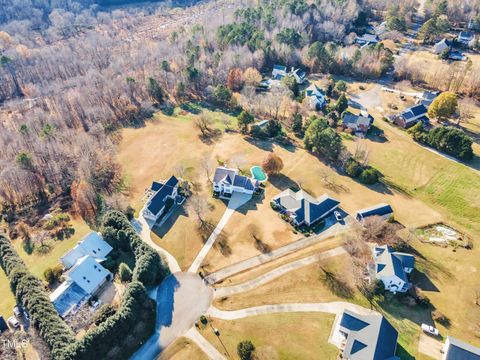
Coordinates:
(258,174)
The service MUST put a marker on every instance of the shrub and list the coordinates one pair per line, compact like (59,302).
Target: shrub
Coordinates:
(440,318)
(31,293)
(353,168)
(52,274)
(245,350)
(124,272)
(369,176)
(104,313)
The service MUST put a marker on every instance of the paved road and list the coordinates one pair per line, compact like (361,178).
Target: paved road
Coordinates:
(143,228)
(335,307)
(275,273)
(181,299)
(242,266)
(237,200)
(203,344)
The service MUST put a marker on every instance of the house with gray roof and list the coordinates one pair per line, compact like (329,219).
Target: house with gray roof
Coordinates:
(458,350)
(413,115)
(358,124)
(366,39)
(427,98)
(280,71)
(383,210)
(316,98)
(91,244)
(392,268)
(85,277)
(162,197)
(364,337)
(441,46)
(302,208)
(465,37)
(226,181)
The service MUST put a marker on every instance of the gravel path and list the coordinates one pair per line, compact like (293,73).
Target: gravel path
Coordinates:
(242,266)
(275,273)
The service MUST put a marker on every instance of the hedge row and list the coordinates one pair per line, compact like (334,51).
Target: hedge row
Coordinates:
(150,269)
(30,291)
(121,334)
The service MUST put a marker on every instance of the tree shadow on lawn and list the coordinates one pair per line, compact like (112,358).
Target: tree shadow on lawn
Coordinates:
(212,107)
(162,230)
(376,135)
(212,137)
(393,306)
(283,182)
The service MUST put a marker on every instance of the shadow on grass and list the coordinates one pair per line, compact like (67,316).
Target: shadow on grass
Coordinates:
(252,204)
(376,134)
(213,107)
(163,229)
(393,305)
(422,281)
(403,354)
(191,108)
(283,182)
(336,284)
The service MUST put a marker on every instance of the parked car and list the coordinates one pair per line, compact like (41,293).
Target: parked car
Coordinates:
(13,322)
(18,311)
(430,329)
(338,216)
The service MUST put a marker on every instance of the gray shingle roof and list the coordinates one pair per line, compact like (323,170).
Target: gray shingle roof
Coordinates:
(389,263)
(459,350)
(222,173)
(158,200)
(370,337)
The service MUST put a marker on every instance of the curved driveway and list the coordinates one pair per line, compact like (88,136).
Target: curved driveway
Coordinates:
(181,299)
(335,307)
(277,272)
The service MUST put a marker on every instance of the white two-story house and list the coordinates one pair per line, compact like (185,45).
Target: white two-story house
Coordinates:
(392,268)
(226,181)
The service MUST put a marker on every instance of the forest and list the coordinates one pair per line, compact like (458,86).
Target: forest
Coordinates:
(73,73)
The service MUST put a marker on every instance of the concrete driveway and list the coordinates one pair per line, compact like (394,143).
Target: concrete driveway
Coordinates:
(181,299)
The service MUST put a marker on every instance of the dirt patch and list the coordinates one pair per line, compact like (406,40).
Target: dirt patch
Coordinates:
(430,346)
(443,235)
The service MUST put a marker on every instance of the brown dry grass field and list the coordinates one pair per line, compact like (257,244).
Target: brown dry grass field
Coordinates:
(277,336)
(424,188)
(183,349)
(307,283)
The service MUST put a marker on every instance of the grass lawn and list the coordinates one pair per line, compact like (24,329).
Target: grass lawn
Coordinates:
(37,263)
(183,349)
(277,336)
(306,283)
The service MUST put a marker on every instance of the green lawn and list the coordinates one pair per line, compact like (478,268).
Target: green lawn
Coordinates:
(277,336)
(38,263)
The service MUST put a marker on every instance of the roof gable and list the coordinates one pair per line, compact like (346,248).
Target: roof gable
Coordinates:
(88,274)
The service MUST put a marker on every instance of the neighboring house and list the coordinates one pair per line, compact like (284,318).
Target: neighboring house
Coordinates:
(315,97)
(262,124)
(458,350)
(457,56)
(303,208)
(364,337)
(85,277)
(3,325)
(359,124)
(465,37)
(380,29)
(280,71)
(163,196)
(427,98)
(226,181)
(412,115)
(392,268)
(92,244)
(441,46)
(366,39)
(382,210)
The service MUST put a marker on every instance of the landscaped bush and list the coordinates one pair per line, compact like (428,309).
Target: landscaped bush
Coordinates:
(121,334)
(104,313)
(124,272)
(369,176)
(31,293)
(150,268)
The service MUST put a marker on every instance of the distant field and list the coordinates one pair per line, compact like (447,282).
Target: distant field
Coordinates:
(277,336)
(38,263)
